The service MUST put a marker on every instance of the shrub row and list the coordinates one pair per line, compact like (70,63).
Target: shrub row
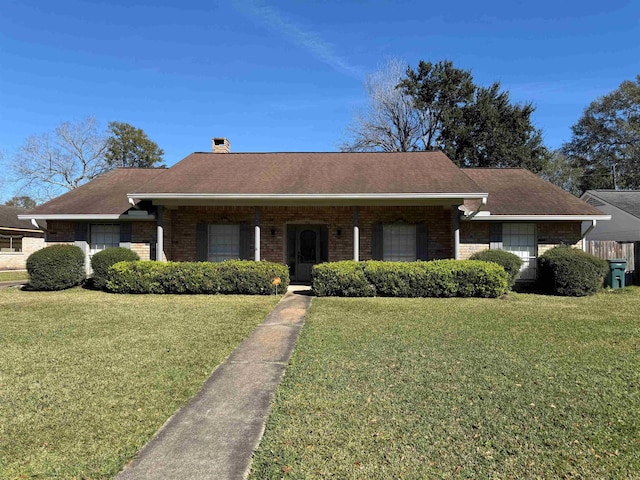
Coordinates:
(509,261)
(101,261)
(231,277)
(56,267)
(571,272)
(438,278)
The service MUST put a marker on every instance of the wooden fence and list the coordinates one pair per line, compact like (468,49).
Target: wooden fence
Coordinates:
(608,249)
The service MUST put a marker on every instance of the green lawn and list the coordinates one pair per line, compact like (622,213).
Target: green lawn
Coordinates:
(527,386)
(10,275)
(86,378)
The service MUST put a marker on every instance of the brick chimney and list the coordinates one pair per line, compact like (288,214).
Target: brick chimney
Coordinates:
(220,145)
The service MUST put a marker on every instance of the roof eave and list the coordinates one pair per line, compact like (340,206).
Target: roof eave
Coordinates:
(305,199)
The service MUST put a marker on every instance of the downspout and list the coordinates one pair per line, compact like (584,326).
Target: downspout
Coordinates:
(586,232)
(35,224)
(134,204)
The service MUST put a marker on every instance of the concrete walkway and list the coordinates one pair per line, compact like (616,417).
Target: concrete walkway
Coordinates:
(215,434)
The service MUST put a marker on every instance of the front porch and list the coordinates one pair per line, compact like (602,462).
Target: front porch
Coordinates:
(302,236)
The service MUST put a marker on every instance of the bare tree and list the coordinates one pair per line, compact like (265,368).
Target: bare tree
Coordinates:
(47,165)
(390,122)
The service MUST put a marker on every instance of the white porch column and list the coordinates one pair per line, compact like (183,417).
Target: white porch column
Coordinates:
(160,234)
(455,223)
(256,252)
(356,235)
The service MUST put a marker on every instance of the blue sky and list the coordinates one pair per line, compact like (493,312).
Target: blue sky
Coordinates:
(288,75)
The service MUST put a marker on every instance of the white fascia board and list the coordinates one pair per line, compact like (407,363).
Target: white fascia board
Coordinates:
(18,229)
(310,196)
(537,218)
(86,216)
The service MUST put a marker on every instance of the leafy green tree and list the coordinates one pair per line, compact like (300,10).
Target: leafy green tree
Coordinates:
(21,202)
(605,144)
(128,146)
(475,126)
(560,171)
(491,131)
(439,92)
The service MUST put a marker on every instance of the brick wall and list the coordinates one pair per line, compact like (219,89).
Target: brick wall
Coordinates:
(180,227)
(180,230)
(18,260)
(436,219)
(275,219)
(551,234)
(59,231)
(474,236)
(143,235)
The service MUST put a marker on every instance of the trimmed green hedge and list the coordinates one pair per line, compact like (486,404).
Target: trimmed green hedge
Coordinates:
(341,279)
(56,267)
(230,277)
(102,260)
(568,271)
(439,278)
(509,261)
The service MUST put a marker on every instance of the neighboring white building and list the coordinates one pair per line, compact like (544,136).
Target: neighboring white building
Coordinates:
(624,208)
(620,236)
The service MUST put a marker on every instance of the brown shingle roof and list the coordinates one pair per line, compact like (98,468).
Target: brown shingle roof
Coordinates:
(516,191)
(312,173)
(9,218)
(106,194)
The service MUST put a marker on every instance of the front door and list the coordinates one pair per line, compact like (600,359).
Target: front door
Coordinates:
(308,252)
(306,247)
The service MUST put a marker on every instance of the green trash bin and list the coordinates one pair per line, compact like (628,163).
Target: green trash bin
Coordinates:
(615,278)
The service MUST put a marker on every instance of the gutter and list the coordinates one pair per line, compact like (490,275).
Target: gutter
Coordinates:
(86,216)
(309,196)
(540,218)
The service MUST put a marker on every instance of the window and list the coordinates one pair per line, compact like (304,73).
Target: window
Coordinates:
(10,243)
(520,239)
(399,243)
(224,242)
(103,236)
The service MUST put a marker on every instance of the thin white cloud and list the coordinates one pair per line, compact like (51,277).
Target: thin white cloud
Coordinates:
(304,38)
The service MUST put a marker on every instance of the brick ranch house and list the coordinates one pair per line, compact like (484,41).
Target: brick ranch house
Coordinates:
(305,208)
